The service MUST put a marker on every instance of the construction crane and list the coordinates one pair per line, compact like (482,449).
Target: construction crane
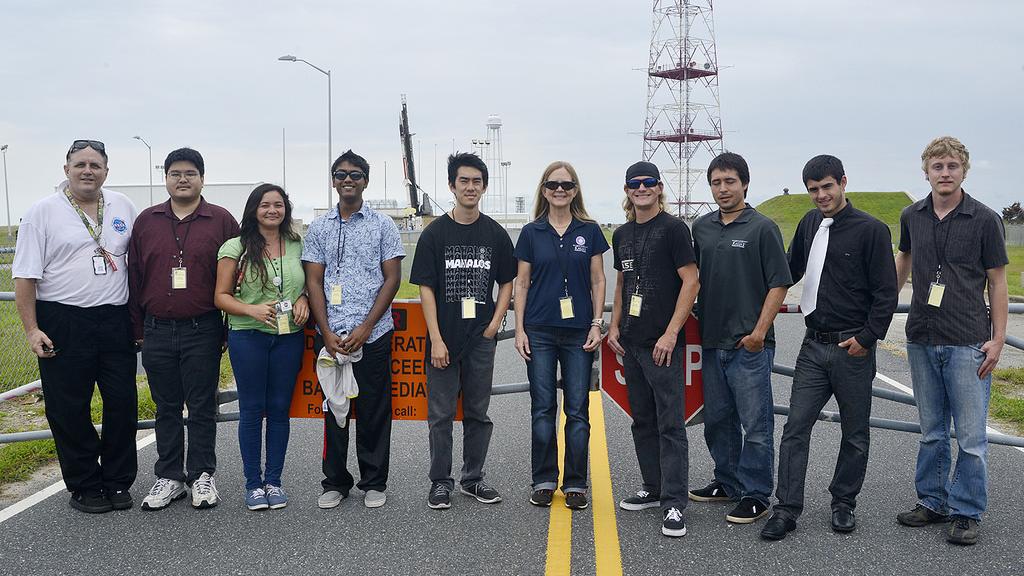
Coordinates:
(409,167)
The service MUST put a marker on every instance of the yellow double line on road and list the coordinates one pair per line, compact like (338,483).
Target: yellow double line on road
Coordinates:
(608,558)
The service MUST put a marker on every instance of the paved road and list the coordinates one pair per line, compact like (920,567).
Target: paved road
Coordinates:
(405,537)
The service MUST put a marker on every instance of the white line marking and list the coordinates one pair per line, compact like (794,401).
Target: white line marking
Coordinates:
(908,390)
(30,501)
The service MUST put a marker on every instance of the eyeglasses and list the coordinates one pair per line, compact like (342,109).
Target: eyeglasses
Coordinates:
(647,182)
(566,185)
(83,144)
(188,175)
(355,175)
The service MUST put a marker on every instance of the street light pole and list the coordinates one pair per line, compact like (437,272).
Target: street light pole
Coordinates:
(330,155)
(504,183)
(139,138)
(7,196)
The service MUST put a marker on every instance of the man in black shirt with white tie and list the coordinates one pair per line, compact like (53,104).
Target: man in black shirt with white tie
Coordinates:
(848,300)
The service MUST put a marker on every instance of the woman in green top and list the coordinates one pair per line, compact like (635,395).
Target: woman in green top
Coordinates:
(260,286)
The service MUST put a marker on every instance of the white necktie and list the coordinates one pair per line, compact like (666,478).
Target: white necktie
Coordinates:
(815,263)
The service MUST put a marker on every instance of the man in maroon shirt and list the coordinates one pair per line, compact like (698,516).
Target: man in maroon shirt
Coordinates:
(172,272)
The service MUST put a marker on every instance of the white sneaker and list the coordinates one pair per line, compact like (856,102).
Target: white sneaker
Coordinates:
(204,492)
(374,499)
(329,499)
(163,492)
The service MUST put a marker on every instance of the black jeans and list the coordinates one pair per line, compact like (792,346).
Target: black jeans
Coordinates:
(182,361)
(657,399)
(823,370)
(94,348)
(373,423)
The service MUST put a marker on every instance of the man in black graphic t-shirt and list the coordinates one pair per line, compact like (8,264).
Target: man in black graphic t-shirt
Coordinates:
(654,293)
(459,258)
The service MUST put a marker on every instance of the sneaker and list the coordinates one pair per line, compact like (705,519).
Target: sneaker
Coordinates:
(256,499)
(962,531)
(542,497)
(747,511)
(482,492)
(330,499)
(90,503)
(374,499)
(120,499)
(673,524)
(642,501)
(204,492)
(276,497)
(440,496)
(921,515)
(163,492)
(576,500)
(713,492)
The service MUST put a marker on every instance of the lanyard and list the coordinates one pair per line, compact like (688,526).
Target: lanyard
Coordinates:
(279,276)
(940,256)
(180,242)
(636,255)
(97,232)
(563,265)
(342,237)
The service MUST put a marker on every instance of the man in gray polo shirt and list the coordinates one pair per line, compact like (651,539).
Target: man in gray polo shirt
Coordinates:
(953,341)
(744,276)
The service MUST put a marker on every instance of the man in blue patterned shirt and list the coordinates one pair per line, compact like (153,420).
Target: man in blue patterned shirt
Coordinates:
(352,258)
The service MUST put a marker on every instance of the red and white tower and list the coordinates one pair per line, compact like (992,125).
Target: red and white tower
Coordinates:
(683,128)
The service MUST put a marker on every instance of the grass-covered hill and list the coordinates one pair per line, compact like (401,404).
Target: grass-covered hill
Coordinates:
(787,211)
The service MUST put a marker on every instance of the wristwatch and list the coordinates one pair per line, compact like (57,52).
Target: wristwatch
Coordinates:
(599,322)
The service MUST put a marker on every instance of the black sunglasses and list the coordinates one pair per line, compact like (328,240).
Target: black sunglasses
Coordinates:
(566,185)
(355,175)
(647,182)
(83,144)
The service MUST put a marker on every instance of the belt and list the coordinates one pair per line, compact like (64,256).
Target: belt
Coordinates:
(831,337)
(213,314)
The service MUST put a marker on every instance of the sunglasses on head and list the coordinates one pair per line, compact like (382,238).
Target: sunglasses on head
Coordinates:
(83,144)
(647,182)
(565,185)
(355,175)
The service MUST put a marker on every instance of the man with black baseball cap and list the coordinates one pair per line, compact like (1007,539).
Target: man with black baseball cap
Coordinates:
(655,261)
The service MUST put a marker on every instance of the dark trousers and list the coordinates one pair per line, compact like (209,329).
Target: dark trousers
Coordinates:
(657,400)
(94,348)
(824,370)
(182,361)
(373,424)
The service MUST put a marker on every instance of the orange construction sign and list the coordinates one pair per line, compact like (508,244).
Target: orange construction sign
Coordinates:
(408,370)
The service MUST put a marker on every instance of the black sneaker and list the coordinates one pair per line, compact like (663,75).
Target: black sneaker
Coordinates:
(921,515)
(642,501)
(440,496)
(747,511)
(482,492)
(962,531)
(673,524)
(713,492)
(120,499)
(541,497)
(576,500)
(90,503)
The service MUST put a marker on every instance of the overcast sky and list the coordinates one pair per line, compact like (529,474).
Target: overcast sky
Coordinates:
(869,81)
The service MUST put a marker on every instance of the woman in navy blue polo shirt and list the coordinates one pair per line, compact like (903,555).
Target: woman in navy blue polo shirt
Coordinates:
(559,303)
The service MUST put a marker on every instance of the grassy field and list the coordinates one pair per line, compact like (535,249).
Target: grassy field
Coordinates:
(1007,404)
(787,211)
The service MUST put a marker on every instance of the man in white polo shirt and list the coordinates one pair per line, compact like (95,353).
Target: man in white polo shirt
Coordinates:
(71,289)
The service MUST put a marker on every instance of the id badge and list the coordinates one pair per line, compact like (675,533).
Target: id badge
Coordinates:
(283,326)
(179,278)
(636,301)
(99,265)
(468,308)
(565,304)
(283,307)
(935,292)
(335,294)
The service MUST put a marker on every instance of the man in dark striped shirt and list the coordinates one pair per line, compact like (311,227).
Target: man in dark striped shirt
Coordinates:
(955,247)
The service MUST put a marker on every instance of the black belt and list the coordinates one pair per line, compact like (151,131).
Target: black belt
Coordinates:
(211,315)
(831,337)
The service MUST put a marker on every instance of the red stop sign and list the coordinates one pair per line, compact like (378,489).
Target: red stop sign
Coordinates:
(613,380)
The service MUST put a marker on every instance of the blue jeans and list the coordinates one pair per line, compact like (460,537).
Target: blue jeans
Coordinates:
(265,367)
(549,348)
(739,421)
(946,385)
